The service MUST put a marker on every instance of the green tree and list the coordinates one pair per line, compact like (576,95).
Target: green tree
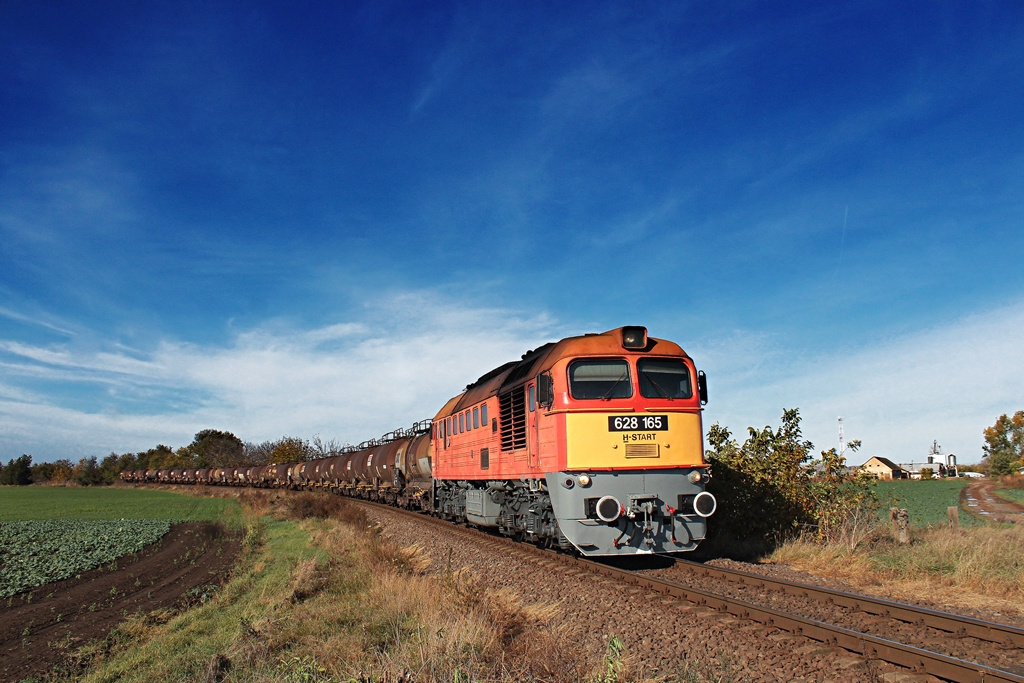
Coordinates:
(62,471)
(18,471)
(290,449)
(87,472)
(112,466)
(42,471)
(1004,444)
(214,448)
(155,458)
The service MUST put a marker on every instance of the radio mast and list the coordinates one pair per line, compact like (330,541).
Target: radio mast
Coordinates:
(842,436)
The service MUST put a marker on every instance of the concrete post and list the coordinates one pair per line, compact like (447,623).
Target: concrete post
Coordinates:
(899,520)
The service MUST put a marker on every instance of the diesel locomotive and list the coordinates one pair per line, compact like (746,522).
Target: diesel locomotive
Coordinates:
(593,444)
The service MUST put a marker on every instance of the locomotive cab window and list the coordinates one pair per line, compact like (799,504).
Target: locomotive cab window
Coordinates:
(600,379)
(664,378)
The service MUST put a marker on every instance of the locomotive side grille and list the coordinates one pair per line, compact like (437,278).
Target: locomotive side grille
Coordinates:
(513,419)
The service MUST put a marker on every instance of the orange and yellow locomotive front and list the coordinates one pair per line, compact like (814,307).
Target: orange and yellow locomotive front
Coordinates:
(588,431)
(608,426)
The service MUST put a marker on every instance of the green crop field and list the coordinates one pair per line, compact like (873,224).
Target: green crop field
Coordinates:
(23,503)
(38,552)
(51,533)
(1012,495)
(925,500)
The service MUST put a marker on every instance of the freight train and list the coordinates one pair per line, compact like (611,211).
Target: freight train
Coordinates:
(593,444)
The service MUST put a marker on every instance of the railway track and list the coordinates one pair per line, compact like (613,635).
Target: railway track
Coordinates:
(1007,641)
(961,626)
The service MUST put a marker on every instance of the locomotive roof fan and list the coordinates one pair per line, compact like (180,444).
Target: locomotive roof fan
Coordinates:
(634,337)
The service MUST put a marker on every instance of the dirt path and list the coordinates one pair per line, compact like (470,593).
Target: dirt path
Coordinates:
(979,496)
(41,628)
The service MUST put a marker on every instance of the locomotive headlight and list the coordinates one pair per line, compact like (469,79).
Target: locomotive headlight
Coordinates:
(634,337)
(696,476)
(583,479)
(705,504)
(609,509)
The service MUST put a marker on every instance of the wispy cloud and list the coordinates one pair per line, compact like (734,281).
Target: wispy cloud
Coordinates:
(58,327)
(946,383)
(72,190)
(350,380)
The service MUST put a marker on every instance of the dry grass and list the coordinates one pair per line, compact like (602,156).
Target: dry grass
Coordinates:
(981,567)
(430,628)
(331,598)
(1012,481)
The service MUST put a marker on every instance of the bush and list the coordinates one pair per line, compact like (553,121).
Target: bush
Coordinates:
(308,504)
(769,489)
(1012,481)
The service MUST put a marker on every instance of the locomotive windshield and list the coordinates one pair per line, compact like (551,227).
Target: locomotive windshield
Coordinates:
(664,378)
(600,379)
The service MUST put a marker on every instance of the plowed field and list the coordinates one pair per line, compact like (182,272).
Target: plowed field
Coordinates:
(41,629)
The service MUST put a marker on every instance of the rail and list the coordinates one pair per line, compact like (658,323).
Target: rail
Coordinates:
(1005,634)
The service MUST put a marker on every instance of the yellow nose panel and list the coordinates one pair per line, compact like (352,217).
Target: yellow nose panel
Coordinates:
(626,440)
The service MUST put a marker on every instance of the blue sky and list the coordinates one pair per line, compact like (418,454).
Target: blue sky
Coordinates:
(326,218)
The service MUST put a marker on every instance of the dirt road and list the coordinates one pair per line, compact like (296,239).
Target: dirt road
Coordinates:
(980,497)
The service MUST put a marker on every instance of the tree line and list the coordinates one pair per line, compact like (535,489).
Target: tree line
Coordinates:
(772,471)
(209,448)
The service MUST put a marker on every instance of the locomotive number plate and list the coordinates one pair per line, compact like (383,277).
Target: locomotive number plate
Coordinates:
(637,423)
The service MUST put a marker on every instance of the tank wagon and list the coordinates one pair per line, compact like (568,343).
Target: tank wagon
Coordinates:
(593,444)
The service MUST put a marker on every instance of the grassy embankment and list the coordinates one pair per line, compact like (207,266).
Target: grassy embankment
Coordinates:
(1011,488)
(319,595)
(1013,495)
(979,565)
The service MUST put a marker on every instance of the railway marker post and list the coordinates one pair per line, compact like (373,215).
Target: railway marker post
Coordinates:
(899,519)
